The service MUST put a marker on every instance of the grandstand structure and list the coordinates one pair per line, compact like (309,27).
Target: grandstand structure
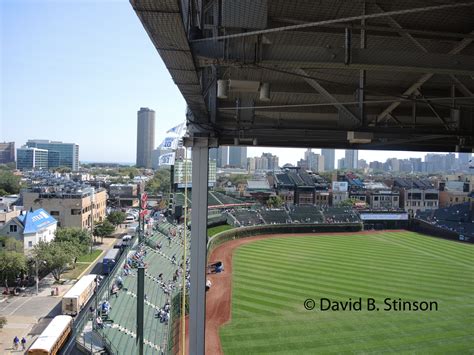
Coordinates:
(299,187)
(119,331)
(293,215)
(215,199)
(457,218)
(391,75)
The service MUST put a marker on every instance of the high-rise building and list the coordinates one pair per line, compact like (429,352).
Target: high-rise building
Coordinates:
(272,161)
(315,162)
(219,155)
(329,158)
(31,158)
(61,154)
(145,137)
(464,159)
(7,152)
(341,163)
(238,156)
(351,158)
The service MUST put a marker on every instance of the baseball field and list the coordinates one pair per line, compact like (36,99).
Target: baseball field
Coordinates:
(423,288)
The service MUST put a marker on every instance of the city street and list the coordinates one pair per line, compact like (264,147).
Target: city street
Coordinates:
(28,315)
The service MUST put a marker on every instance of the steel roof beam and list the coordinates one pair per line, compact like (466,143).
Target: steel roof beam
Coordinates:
(435,35)
(423,79)
(286,56)
(463,88)
(314,84)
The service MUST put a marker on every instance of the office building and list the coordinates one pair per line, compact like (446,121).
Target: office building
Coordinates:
(238,157)
(145,137)
(7,152)
(71,204)
(31,158)
(61,154)
(464,159)
(329,158)
(351,158)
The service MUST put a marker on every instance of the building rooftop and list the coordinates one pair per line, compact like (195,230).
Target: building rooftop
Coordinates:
(34,221)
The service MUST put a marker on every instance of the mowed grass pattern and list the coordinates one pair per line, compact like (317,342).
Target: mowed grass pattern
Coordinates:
(273,277)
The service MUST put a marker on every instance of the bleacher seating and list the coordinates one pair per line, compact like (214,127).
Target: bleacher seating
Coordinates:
(306,214)
(247,217)
(120,326)
(275,216)
(454,218)
(340,215)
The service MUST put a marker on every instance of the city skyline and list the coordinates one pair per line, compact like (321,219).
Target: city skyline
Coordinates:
(108,86)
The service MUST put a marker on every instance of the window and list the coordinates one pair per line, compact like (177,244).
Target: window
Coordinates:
(30,244)
(54,213)
(76,211)
(13,228)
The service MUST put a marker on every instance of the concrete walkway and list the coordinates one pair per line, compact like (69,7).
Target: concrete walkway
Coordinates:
(27,315)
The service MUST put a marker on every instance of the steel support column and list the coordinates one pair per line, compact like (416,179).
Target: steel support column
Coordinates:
(197,295)
(362,72)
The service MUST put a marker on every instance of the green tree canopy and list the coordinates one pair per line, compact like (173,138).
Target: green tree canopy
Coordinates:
(159,183)
(275,201)
(12,264)
(116,217)
(104,229)
(56,256)
(11,244)
(9,182)
(80,238)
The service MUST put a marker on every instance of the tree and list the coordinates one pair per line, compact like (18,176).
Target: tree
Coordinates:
(11,244)
(274,201)
(12,264)
(159,183)
(62,169)
(80,238)
(9,182)
(104,229)
(56,256)
(116,217)
(3,322)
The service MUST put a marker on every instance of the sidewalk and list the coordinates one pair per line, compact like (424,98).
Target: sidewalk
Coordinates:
(26,311)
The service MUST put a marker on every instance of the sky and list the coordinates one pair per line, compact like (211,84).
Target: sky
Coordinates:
(78,71)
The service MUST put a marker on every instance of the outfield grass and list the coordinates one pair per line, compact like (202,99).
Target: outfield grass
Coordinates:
(214,230)
(273,277)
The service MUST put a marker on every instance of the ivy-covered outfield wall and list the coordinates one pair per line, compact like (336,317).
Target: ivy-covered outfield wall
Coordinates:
(244,232)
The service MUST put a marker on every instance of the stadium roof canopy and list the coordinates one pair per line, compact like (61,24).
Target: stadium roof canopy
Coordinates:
(343,74)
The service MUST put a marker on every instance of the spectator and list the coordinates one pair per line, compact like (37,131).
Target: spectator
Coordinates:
(16,341)
(99,322)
